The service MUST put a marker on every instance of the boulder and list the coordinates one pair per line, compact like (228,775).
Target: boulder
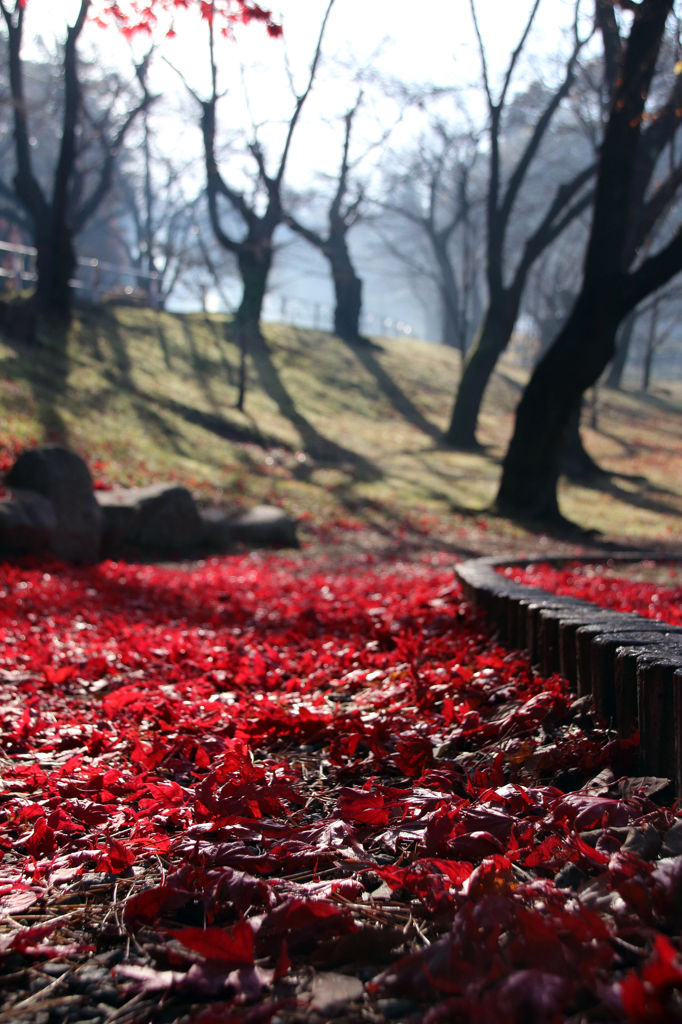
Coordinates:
(264,525)
(27,522)
(158,516)
(217,529)
(63,477)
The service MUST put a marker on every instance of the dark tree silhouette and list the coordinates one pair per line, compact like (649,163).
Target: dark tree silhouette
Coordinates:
(253,247)
(629,202)
(343,213)
(505,289)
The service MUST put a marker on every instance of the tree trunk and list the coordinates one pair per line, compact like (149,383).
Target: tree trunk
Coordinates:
(449,293)
(254,266)
(586,344)
(576,462)
(532,464)
(348,293)
(625,333)
(449,331)
(494,334)
(650,347)
(55,266)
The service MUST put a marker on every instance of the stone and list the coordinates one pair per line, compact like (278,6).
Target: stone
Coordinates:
(158,516)
(217,528)
(332,992)
(264,525)
(27,522)
(120,512)
(63,477)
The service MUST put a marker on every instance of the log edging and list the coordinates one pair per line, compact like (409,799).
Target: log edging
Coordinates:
(631,665)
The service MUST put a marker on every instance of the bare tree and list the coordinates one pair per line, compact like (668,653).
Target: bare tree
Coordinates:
(506,288)
(57,216)
(343,214)
(250,240)
(432,192)
(152,188)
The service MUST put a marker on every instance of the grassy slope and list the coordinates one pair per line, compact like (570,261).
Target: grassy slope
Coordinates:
(349,436)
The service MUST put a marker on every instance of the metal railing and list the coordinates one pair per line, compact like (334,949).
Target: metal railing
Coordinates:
(103,276)
(320,316)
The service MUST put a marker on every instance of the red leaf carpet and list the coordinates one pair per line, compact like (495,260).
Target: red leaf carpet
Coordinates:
(220,782)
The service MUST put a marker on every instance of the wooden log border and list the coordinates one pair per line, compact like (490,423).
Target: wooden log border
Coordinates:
(632,666)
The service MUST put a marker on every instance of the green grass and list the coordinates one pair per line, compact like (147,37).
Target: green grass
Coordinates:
(350,436)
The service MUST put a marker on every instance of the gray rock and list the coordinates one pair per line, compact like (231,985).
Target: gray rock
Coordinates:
(27,522)
(217,528)
(264,525)
(332,992)
(158,516)
(63,477)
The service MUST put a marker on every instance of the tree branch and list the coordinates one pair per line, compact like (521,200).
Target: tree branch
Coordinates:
(546,234)
(314,237)
(516,180)
(90,205)
(26,185)
(72,105)
(303,97)
(481,50)
(517,53)
(607,25)
(653,273)
(649,213)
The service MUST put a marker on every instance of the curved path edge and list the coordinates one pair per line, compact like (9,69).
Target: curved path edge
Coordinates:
(630,665)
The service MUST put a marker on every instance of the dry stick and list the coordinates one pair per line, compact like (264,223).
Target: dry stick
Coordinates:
(302,875)
(427,942)
(41,1005)
(37,997)
(124,1009)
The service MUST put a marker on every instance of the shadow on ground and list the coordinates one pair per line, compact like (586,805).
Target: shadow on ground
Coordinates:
(320,448)
(396,396)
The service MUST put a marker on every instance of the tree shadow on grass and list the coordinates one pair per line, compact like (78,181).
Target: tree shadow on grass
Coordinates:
(215,423)
(396,396)
(119,351)
(657,401)
(322,450)
(47,371)
(648,498)
(221,335)
(203,368)
(148,406)
(155,424)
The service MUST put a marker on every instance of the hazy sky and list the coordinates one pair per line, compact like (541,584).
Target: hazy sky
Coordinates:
(421,45)
(392,38)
